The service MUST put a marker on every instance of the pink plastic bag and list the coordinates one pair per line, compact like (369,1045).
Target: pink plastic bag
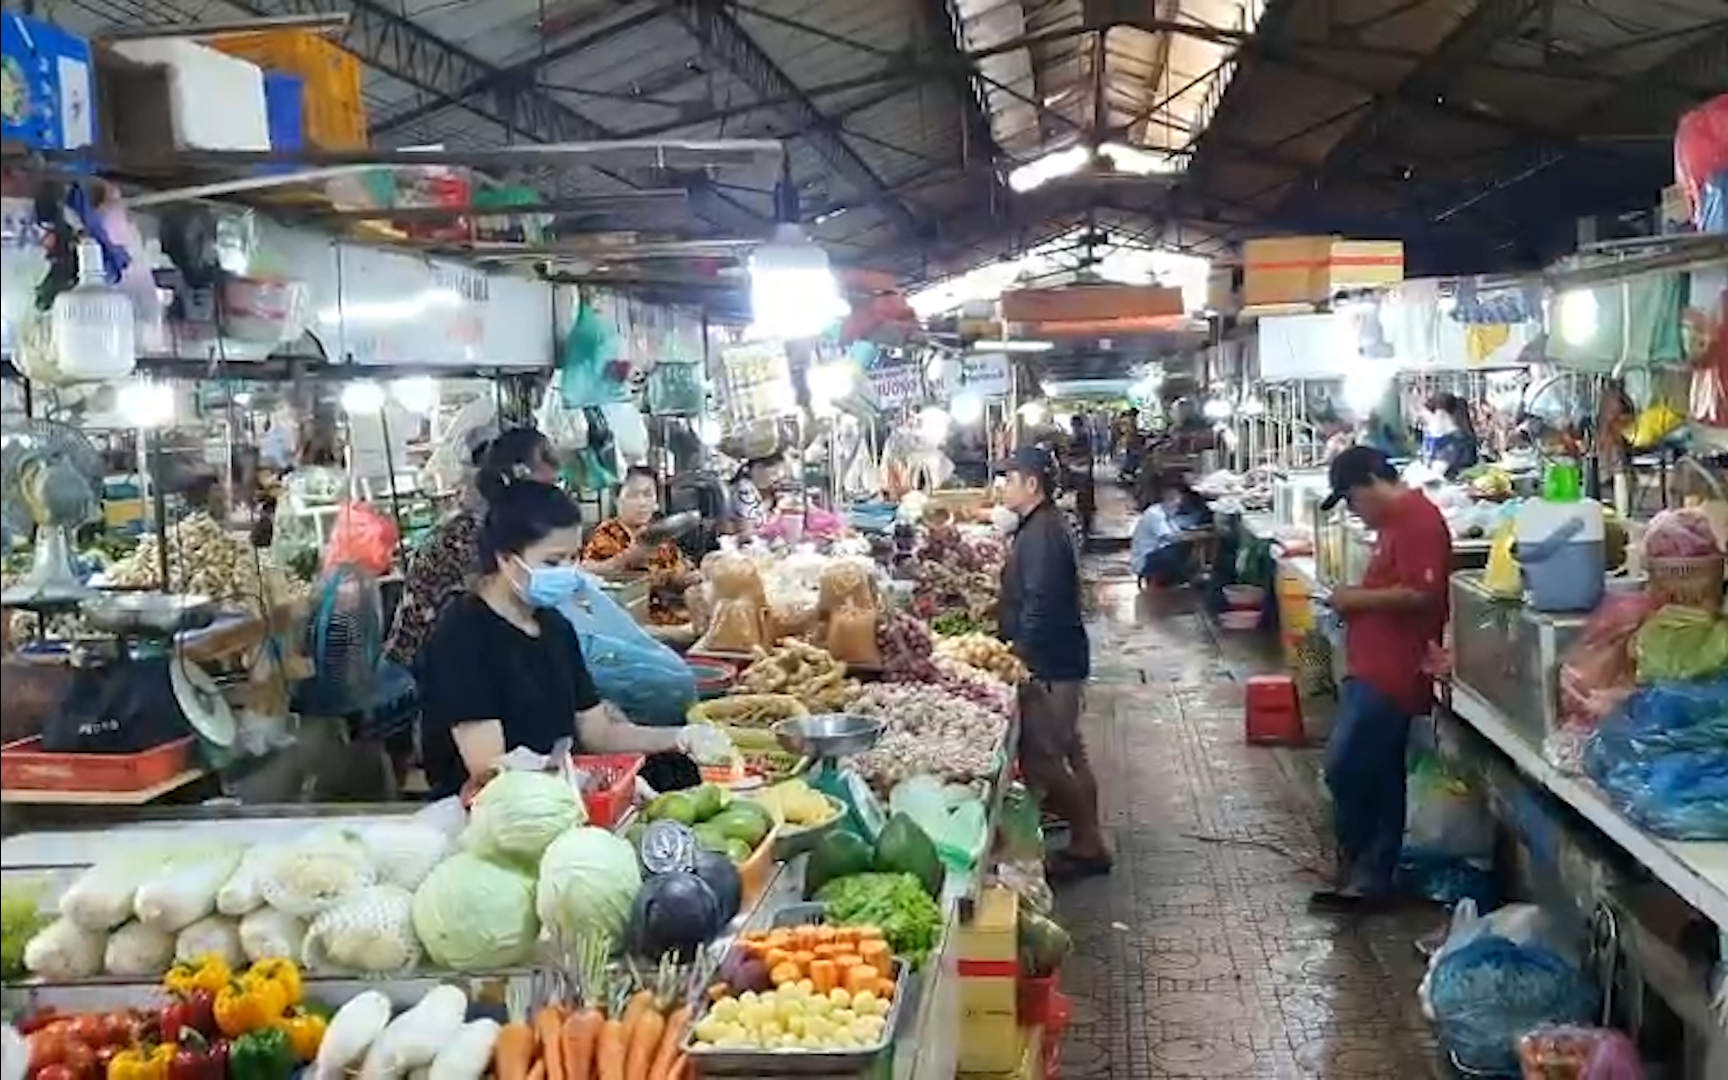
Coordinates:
(362,536)
(1577,1053)
(1701,150)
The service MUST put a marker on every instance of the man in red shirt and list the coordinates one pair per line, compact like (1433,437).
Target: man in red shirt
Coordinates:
(1389,622)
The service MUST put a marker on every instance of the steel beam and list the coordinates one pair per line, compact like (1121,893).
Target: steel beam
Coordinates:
(722,38)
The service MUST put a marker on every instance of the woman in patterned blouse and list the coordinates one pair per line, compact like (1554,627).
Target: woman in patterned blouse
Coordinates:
(447,562)
(615,547)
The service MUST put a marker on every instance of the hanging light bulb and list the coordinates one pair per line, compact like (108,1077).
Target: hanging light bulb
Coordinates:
(793,293)
(1033,412)
(418,394)
(933,425)
(145,404)
(363,398)
(968,409)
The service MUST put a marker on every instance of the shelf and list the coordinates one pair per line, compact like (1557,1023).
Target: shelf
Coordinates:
(1696,872)
(28,797)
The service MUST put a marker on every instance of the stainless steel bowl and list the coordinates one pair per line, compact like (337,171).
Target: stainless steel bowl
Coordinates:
(829,734)
(148,612)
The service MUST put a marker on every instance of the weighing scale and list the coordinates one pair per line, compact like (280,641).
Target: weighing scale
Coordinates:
(138,692)
(824,739)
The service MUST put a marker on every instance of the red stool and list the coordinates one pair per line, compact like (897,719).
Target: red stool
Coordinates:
(1274,712)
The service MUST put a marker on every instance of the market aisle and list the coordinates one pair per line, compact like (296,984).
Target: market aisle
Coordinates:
(1198,958)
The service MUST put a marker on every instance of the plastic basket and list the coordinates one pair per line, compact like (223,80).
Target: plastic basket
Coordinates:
(25,765)
(607,806)
(333,111)
(1692,582)
(1033,1000)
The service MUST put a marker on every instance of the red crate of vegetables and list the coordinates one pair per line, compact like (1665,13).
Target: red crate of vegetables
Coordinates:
(609,782)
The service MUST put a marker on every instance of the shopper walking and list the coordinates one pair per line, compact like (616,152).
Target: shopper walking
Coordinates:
(1040,614)
(1390,621)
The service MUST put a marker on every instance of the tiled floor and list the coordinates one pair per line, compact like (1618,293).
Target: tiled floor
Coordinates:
(1197,957)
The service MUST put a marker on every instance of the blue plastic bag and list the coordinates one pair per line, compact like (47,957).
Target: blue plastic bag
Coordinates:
(1662,759)
(1490,992)
(632,670)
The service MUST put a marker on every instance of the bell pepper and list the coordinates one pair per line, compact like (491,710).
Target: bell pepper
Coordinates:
(285,974)
(197,1058)
(194,1012)
(305,1032)
(211,973)
(262,1055)
(142,1063)
(248,1005)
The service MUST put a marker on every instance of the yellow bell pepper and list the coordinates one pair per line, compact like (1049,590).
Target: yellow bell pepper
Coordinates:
(141,1064)
(305,1032)
(249,1004)
(285,974)
(209,973)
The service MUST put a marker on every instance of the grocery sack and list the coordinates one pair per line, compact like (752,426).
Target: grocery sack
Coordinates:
(1597,674)
(1662,760)
(1701,151)
(631,669)
(1502,578)
(592,369)
(362,536)
(1680,643)
(1447,815)
(1585,1053)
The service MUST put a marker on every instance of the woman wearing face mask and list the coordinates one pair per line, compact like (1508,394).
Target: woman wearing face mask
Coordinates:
(503,670)
(616,547)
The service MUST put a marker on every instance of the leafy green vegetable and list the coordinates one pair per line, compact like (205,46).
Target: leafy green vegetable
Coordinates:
(473,915)
(20,918)
(896,903)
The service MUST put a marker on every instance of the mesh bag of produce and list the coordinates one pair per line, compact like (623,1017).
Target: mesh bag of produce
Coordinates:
(313,873)
(369,932)
(1662,760)
(1487,994)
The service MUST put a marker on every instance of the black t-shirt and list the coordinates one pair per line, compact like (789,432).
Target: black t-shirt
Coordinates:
(478,666)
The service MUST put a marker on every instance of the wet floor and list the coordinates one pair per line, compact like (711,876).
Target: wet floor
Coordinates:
(1198,957)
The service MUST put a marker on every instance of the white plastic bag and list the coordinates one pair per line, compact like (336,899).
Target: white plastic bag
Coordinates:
(403,853)
(212,935)
(185,892)
(1521,924)
(138,951)
(62,950)
(269,934)
(1447,814)
(369,932)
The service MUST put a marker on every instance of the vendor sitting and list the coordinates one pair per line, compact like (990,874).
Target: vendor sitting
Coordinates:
(503,670)
(616,547)
(1166,536)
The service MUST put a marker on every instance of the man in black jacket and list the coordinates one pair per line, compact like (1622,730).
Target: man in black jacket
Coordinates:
(1040,614)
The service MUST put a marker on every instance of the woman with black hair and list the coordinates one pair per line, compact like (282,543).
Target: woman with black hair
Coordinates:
(617,546)
(444,564)
(753,488)
(1449,440)
(504,670)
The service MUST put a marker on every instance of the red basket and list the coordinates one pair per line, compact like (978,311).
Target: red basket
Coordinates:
(1033,999)
(1054,1028)
(607,806)
(23,765)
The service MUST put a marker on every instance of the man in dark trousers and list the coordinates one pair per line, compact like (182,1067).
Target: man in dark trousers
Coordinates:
(1040,614)
(1390,620)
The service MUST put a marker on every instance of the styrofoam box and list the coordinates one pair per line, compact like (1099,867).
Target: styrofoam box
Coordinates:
(198,79)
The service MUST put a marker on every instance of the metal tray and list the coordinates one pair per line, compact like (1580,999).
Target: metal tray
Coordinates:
(802,1062)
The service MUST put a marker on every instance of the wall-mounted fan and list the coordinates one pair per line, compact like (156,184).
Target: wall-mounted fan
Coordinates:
(49,478)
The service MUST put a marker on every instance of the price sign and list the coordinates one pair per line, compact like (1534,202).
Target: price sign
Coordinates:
(896,385)
(984,374)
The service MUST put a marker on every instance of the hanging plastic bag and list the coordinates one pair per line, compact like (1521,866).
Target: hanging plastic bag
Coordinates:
(1662,760)
(1502,578)
(362,536)
(592,369)
(640,675)
(1701,151)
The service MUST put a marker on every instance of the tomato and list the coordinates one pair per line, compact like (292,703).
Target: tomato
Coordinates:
(80,1060)
(105,1054)
(47,1047)
(89,1029)
(57,1072)
(118,1029)
(38,1020)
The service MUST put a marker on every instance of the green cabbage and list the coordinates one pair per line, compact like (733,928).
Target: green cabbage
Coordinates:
(588,880)
(475,915)
(517,814)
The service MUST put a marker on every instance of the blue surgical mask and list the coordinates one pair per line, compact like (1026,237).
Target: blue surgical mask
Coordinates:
(550,586)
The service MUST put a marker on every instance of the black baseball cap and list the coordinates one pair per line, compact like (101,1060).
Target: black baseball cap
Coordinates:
(1356,466)
(1030,459)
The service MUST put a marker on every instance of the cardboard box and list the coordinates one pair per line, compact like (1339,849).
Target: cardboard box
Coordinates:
(1312,269)
(1090,303)
(988,963)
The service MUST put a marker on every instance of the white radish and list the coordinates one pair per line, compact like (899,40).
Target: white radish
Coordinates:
(468,1055)
(352,1032)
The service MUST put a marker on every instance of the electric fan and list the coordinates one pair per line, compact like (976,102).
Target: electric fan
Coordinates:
(345,641)
(48,482)
(452,459)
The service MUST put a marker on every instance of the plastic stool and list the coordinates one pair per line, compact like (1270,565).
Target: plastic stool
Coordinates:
(1273,712)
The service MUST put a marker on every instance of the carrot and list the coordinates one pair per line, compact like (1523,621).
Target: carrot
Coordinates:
(680,1068)
(640,1002)
(513,1053)
(581,1036)
(643,1044)
(860,977)
(549,1029)
(667,1053)
(538,1072)
(825,975)
(877,955)
(609,1051)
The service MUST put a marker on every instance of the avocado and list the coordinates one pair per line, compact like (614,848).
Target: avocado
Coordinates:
(709,799)
(745,821)
(710,837)
(904,848)
(676,806)
(738,850)
(839,854)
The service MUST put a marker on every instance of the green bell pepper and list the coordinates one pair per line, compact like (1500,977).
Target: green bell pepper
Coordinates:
(266,1054)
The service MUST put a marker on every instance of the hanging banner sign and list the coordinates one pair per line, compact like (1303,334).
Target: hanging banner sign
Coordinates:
(896,385)
(988,375)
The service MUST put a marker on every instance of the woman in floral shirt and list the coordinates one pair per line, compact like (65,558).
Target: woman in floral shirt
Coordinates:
(447,562)
(615,547)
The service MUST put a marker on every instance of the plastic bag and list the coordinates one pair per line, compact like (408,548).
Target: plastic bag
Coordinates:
(363,536)
(267,932)
(369,932)
(1701,150)
(591,367)
(1583,1053)
(1662,760)
(1447,816)
(851,636)
(1681,643)
(1597,673)
(1488,993)
(1502,577)
(631,669)
(952,816)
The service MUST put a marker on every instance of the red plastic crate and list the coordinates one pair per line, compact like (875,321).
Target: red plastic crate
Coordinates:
(607,807)
(24,765)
